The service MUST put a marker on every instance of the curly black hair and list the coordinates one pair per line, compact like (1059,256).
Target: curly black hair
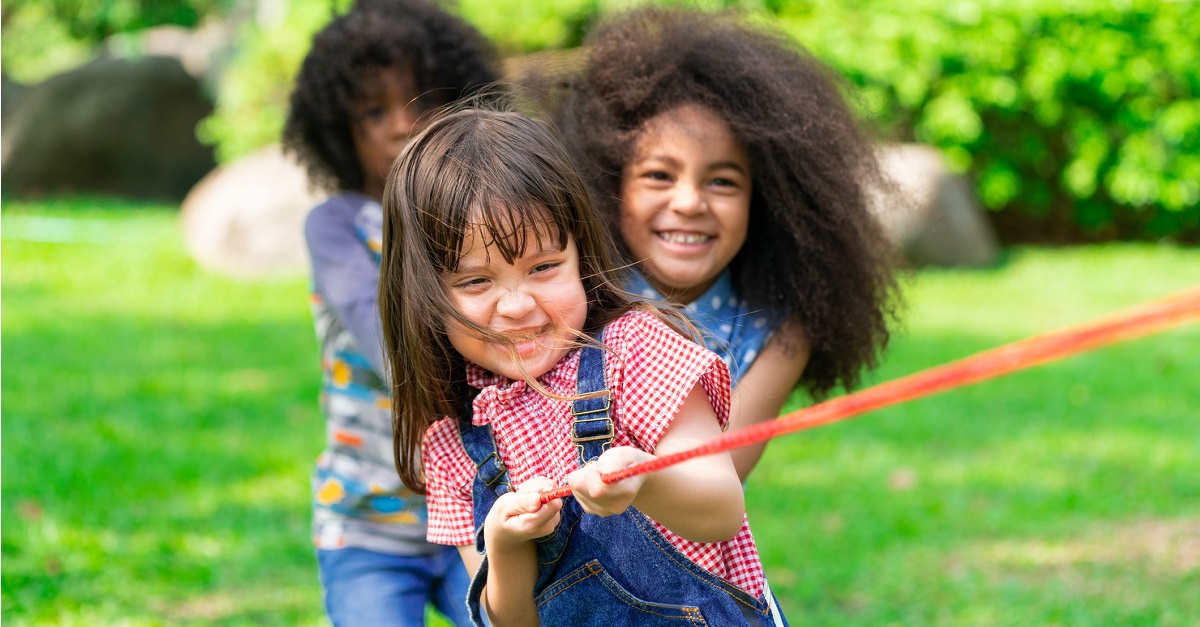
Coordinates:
(813,249)
(449,59)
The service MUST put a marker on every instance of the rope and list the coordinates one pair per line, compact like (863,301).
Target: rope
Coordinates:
(1133,323)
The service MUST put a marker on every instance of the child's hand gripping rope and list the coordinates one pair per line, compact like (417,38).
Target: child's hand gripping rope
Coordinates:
(1133,323)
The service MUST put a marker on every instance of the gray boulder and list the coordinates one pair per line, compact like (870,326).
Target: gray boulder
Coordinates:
(246,218)
(932,215)
(114,126)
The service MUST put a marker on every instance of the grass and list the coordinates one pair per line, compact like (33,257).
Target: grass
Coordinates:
(160,424)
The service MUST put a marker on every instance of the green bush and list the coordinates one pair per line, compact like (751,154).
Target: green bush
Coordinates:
(252,99)
(1076,118)
(253,94)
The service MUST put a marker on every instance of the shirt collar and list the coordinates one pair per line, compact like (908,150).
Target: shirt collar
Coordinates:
(557,380)
(716,298)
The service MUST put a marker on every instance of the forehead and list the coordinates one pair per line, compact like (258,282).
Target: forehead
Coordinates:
(385,80)
(510,232)
(687,126)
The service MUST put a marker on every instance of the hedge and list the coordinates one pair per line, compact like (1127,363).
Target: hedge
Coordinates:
(1076,119)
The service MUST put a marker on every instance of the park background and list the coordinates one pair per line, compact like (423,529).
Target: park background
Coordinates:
(160,418)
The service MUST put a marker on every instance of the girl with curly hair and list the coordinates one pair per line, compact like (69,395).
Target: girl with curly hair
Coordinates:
(736,179)
(359,95)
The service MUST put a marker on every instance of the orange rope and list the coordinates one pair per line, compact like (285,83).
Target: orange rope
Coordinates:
(1130,324)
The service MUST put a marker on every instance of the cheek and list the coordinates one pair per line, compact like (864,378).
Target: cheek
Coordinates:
(737,222)
(457,338)
(634,226)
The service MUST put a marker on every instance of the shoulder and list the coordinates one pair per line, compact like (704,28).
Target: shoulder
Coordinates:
(654,370)
(336,223)
(443,434)
(340,209)
(641,335)
(635,326)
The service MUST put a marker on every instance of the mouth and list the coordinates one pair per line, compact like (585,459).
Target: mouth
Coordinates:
(526,341)
(687,238)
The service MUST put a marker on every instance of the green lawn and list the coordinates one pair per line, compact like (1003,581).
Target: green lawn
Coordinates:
(159,424)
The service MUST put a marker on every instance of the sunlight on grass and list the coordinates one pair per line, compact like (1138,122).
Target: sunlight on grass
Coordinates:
(1161,547)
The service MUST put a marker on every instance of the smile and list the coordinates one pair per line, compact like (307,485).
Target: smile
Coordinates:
(526,341)
(681,237)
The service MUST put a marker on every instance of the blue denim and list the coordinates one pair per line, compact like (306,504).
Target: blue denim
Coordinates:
(607,571)
(373,589)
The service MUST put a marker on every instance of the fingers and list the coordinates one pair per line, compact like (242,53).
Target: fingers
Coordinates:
(521,516)
(605,499)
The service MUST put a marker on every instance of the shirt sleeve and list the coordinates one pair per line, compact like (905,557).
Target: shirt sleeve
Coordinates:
(656,368)
(448,476)
(345,275)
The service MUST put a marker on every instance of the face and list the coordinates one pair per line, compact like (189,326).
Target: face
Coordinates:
(537,301)
(685,200)
(384,117)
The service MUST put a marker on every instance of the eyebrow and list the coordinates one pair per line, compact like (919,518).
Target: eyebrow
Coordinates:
(720,165)
(531,252)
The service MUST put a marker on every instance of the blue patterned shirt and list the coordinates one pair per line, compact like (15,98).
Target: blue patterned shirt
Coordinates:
(730,328)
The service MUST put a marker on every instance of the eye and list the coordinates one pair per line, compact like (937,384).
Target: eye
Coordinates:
(546,267)
(372,113)
(728,183)
(471,282)
(657,175)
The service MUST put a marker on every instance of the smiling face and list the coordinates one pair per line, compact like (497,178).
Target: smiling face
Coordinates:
(685,200)
(384,117)
(537,301)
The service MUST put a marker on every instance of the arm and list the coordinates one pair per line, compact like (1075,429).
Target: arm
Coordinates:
(700,499)
(346,276)
(763,390)
(509,530)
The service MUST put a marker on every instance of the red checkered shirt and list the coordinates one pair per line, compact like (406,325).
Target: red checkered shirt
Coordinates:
(650,370)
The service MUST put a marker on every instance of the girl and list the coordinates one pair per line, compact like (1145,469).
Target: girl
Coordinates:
(737,180)
(357,98)
(517,362)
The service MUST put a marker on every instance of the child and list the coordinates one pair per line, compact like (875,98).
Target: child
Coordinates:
(736,179)
(359,94)
(517,362)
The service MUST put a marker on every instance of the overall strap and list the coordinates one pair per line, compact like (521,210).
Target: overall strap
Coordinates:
(481,448)
(592,429)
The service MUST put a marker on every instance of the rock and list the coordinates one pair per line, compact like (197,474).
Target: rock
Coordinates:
(933,216)
(246,218)
(114,126)
(11,93)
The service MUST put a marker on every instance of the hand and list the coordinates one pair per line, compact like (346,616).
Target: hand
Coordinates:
(520,516)
(607,499)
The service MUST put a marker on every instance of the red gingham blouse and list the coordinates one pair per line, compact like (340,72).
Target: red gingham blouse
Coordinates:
(650,370)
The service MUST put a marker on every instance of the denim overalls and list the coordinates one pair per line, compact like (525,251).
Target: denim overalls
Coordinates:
(606,571)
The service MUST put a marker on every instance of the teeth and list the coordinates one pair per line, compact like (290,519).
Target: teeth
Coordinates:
(684,238)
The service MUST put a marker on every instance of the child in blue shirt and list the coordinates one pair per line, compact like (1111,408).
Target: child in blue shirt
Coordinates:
(370,75)
(736,180)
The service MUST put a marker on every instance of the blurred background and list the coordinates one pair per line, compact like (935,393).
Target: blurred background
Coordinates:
(159,404)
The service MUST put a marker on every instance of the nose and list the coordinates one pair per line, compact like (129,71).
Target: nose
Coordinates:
(687,200)
(515,303)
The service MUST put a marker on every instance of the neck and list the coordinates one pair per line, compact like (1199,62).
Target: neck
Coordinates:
(373,189)
(680,296)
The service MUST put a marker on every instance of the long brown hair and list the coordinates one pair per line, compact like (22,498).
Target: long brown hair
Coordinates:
(496,170)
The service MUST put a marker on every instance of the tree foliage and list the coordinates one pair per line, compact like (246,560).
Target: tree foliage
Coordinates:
(43,37)
(1079,118)
(91,21)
